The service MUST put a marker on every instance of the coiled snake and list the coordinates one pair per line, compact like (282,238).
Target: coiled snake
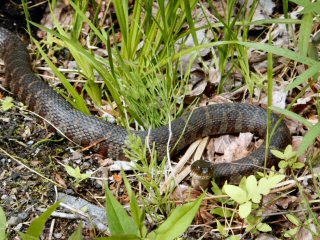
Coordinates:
(85,130)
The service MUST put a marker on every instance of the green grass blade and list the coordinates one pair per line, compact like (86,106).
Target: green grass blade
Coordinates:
(303,77)
(292,115)
(309,139)
(310,7)
(305,33)
(79,102)
(188,12)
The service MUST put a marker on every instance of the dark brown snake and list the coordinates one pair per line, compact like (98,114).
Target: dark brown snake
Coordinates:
(86,130)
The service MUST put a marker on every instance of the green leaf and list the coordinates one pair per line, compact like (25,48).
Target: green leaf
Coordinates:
(76,173)
(234,237)
(293,219)
(78,102)
(263,186)
(137,213)
(292,115)
(179,220)
(309,139)
(3,223)
(118,219)
(245,209)
(222,212)
(36,227)
(236,193)
(215,188)
(77,235)
(274,180)
(277,153)
(283,164)
(289,153)
(310,8)
(292,232)
(263,227)
(298,165)
(7,103)
(305,32)
(252,189)
(220,228)
(303,77)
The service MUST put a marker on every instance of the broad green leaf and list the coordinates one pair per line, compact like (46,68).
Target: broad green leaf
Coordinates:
(277,153)
(7,103)
(36,227)
(137,213)
(263,186)
(77,235)
(3,223)
(118,219)
(256,197)
(179,220)
(25,236)
(251,186)
(274,180)
(289,153)
(298,165)
(293,219)
(263,227)
(236,193)
(245,209)
(283,164)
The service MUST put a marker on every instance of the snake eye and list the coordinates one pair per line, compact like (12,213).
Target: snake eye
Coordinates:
(202,172)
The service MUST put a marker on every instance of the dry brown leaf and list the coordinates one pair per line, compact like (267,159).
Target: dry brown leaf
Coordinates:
(59,179)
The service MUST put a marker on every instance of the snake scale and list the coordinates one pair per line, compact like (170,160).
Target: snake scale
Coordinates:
(86,130)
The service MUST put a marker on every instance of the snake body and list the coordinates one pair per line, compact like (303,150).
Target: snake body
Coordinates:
(86,130)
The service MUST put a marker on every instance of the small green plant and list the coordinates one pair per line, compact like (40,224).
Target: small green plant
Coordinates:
(122,226)
(75,172)
(248,196)
(150,174)
(289,159)
(7,103)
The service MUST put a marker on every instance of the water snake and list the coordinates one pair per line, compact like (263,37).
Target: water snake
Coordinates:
(85,130)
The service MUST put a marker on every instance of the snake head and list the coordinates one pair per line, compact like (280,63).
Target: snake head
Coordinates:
(202,172)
